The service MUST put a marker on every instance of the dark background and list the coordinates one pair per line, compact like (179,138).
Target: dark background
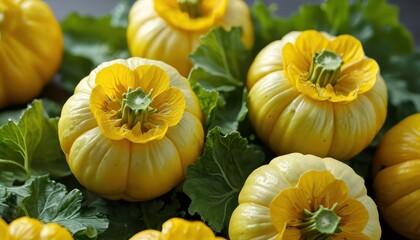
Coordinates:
(409,9)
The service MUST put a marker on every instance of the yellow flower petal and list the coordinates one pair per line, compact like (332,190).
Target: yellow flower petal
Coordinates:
(293,60)
(364,73)
(354,217)
(348,48)
(211,11)
(149,77)
(115,80)
(286,209)
(357,74)
(170,106)
(107,96)
(316,188)
(322,188)
(309,43)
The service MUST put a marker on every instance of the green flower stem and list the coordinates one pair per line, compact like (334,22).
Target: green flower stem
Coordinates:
(320,224)
(192,7)
(135,107)
(325,68)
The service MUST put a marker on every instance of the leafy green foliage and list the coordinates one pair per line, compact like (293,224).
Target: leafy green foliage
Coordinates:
(49,201)
(90,41)
(374,22)
(214,182)
(220,60)
(220,65)
(31,147)
(128,218)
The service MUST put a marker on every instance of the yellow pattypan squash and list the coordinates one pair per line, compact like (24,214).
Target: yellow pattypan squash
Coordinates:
(299,196)
(25,228)
(317,94)
(396,171)
(169,30)
(31,49)
(178,229)
(131,129)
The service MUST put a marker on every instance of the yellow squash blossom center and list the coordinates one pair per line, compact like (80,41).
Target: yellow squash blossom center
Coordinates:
(318,207)
(138,105)
(191,15)
(329,69)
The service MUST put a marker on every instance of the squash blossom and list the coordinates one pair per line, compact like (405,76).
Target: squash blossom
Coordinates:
(317,94)
(131,129)
(178,229)
(169,30)
(25,228)
(300,196)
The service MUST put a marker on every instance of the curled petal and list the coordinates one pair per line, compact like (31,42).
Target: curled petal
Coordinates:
(115,80)
(364,73)
(292,57)
(151,78)
(287,208)
(210,12)
(170,107)
(316,188)
(167,104)
(309,43)
(348,48)
(355,216)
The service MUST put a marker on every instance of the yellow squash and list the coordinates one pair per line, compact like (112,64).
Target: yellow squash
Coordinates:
(31,48)
(317,94)
(299,196)
(169,30)
(131,129)
(396,171)
(25,228)
(178,229)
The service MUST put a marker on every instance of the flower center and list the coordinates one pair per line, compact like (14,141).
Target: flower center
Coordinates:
(192,7)
(325,68)
(320,224)
(135,107)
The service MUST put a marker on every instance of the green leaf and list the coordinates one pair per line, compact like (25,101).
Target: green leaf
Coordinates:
(230,111)
(90,41)
(74,69)
(90,37)
(374,22)
(128,218)
(337,12)
(218,78)
(208,102)
(49,201)
(31,147)
(403,81)
(220,61)
(214,182)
